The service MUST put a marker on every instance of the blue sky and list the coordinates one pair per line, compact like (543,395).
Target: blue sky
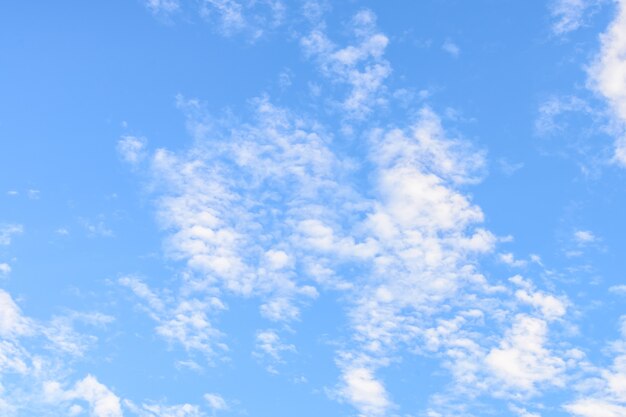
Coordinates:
(305,208)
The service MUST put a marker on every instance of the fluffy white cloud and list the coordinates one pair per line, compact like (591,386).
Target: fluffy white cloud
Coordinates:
(12,322)
(362,389)
(522,361)
(607,76)
(591,407)
(102,401)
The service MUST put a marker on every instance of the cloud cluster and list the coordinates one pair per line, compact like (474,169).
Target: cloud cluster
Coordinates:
(271,208)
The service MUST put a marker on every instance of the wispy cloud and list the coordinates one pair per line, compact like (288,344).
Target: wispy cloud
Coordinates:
(569,15)
(451,48)
(361,66)
(7,231)
(229,17)
(185,321)
(132,148)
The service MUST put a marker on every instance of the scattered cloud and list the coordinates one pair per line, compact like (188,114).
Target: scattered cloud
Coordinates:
(584,237)
(603,394)
(509,259)
(569,15)
(162,7)
(618,289)
(7,231)
(185,321)
(62,231)
(33,194)
(268,345)
(361,66)
(509,168)
(552,112)
(96,229)
(451,48)
(216,402)
(132,149)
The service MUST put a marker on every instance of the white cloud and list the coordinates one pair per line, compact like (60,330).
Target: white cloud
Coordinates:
(603,393)
(132,149)
(522,361)
(549,306)
(185,321)
(268,343)
(509,259)
(584,237)
(61,332)
(552,111)
(62,231)
(522,412)
(178,410)
(451,48)
(102,401)
(618,289)
(591,407)
(5,269)
(284,168)
(284,209)
(569,15)
(12,322)
(509,168)
(607,77)
(362,66)
(96,228)
(33,194)
(7,231)
(228,17)
(362,389)
(216,402)
(162,7)
(266,208)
